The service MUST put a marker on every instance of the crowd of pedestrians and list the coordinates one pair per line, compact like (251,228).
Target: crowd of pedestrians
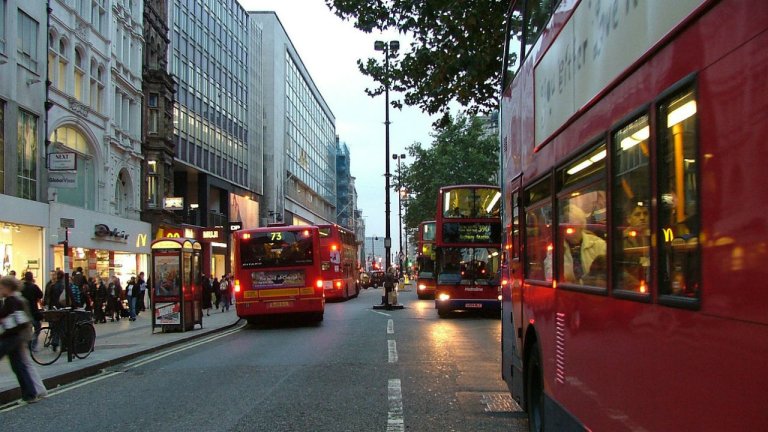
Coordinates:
(218,289)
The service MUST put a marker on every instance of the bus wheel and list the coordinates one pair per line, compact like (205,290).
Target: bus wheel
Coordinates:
(534,392)
(442,312)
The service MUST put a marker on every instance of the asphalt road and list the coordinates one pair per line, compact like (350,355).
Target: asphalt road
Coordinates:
(359,370)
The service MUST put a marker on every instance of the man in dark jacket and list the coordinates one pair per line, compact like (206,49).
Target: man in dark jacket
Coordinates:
(34,296)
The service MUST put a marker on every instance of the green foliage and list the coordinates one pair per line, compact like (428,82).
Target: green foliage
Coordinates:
(456,54)
(462,153)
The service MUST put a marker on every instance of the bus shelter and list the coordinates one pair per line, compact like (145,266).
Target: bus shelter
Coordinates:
(177,295)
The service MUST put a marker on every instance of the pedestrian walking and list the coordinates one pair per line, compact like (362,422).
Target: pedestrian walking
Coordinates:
(54,292)
(76,288)
(207,293)
(216,292)
(99,301)
(34,296)
(224,290)
(132,294)
(142,284)
(114,305)
(16,326)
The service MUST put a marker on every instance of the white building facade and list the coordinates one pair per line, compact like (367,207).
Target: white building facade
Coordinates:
(95,71)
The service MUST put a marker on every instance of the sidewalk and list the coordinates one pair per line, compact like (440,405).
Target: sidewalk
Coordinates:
(116,342)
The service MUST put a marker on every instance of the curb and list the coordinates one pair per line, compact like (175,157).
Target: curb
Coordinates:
(14,394)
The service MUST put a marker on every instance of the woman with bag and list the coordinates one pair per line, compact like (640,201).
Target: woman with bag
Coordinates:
(15,333)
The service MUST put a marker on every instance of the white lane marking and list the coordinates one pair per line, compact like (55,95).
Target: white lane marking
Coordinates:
(390,327)
(395,420)
(65,388)
(392,351)
(380,313)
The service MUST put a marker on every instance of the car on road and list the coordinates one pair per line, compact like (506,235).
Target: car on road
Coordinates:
(377,278)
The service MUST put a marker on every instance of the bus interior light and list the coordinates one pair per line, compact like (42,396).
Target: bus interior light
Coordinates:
(636,138)
(681,113)
(493,202)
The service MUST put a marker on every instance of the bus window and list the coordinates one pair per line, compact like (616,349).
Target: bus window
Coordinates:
(538,232)
(679,254)
(631,212)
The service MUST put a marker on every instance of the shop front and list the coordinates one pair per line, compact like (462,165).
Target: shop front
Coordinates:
(214,245)
(23,224)
(103,245)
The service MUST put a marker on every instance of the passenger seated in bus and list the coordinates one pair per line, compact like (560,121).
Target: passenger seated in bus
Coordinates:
(598,272)
(635,262)
(580,246)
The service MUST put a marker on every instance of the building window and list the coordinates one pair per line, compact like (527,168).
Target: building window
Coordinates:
(2,147)
(97,86)
(152,184)
(79,76)
(121,194)
(27,43)
(69,139)
(2,26)
(27,156)
(679,250)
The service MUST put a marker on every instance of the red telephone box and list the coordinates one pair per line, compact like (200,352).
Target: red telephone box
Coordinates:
(177,296)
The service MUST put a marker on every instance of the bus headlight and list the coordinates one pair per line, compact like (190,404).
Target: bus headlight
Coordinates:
(499,297)
(422,287)
(443,297)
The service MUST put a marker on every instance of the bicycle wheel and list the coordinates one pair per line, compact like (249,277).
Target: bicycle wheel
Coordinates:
(85,338)
(42,347)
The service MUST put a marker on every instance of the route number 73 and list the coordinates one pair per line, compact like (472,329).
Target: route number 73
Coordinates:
(276,236)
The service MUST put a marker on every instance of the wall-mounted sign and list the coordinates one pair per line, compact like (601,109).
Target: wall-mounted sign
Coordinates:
(62,180)
(173,203)
(211,234)
(64,161)
(235,226)
(104,231)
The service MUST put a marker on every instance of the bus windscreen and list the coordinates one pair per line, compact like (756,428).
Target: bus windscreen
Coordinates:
(276,249)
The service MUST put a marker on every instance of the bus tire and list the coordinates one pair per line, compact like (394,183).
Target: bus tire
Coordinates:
(534,391)
(442,312)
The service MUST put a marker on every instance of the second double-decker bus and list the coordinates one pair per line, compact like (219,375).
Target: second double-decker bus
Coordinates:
(425,261)
(468,242)
(338,262)
(636,226)
(277,272)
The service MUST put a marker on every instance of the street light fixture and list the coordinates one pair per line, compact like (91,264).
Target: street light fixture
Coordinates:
(399,158)
(389,48)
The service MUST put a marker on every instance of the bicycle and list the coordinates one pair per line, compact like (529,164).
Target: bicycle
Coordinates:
(48,344)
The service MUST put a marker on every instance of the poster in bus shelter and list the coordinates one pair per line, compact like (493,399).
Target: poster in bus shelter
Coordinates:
(281,278)
(167,281)
(168,313)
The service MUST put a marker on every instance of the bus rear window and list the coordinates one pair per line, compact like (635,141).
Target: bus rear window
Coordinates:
(276,249)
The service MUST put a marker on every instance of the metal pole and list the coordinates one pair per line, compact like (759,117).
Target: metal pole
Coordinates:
(387,238)
(400,213)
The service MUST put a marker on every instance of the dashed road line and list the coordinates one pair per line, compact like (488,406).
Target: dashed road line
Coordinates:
(395,418)
(390,327)
(392,351)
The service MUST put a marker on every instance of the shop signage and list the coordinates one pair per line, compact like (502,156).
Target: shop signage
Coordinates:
(62,180)
(104,231)
(211,234)
(141,240)
(64,161)
(235,226)
(173,203)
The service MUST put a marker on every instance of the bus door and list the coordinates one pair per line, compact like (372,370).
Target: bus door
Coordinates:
(512,298)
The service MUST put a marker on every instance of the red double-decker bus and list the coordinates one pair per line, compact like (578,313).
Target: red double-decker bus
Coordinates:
(468,242)
(425,261)
(338,262)
(635,226)
(277,272)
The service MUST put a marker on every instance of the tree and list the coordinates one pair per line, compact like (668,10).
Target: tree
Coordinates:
(456,55)
(462,153)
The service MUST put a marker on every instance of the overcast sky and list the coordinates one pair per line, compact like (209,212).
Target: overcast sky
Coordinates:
(329,48)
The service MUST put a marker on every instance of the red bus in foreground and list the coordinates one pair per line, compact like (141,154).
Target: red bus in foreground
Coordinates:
(468,241)
(636,229)
(338,262)
(425,260)
(277,272)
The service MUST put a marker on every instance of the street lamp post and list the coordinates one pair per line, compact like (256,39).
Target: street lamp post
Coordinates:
(389,48)
(399,157)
